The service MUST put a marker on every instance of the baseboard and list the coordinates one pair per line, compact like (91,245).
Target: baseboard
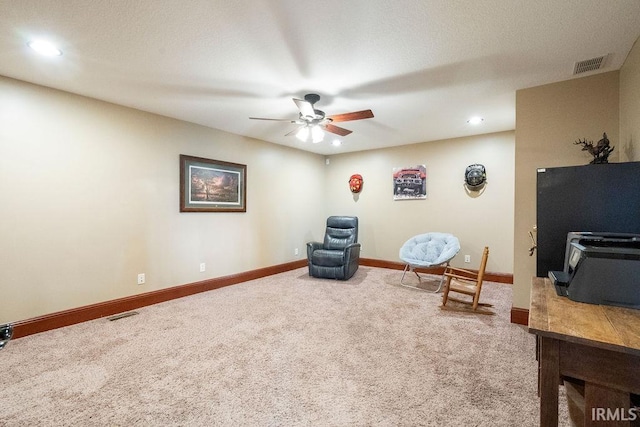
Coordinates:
(120,305)
(107,308)
(520,316)
(489,277)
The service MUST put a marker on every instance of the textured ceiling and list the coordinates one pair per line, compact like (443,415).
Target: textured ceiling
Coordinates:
(423,66)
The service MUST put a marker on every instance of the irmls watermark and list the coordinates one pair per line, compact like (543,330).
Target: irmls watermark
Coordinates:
(615,414)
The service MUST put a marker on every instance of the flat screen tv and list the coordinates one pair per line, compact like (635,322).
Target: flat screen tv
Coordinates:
(595,198)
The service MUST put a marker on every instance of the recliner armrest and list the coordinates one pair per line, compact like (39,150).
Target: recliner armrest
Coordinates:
(352,250)
(312,246)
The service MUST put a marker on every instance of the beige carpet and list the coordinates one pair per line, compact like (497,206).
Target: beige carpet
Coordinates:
(286,350)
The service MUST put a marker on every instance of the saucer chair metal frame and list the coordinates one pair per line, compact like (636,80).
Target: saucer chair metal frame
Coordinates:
(428,250)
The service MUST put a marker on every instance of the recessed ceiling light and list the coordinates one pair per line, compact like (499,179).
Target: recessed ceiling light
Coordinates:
(44,47)
(475,120)
(337,142)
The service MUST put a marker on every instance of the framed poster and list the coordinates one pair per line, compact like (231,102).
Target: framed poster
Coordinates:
(212,185)
(410,183)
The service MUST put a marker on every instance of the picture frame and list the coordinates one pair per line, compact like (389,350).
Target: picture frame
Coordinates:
(208,185)
(410,183)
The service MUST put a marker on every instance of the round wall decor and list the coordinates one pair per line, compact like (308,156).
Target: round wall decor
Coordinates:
(475,176)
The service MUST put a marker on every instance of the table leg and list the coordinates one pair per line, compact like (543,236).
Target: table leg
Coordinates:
(538,360)
(549,381)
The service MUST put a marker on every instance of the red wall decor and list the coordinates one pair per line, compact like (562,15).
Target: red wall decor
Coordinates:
(355,183)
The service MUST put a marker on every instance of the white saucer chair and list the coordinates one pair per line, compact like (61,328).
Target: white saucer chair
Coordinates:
(428,250)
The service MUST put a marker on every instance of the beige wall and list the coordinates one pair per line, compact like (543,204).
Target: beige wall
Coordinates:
(549,119)
(477,220)
(89,192)
(90,199)
(630,106)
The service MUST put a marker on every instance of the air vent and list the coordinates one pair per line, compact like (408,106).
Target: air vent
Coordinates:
(589,65)
(122,316)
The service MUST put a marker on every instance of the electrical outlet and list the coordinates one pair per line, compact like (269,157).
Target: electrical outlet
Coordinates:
(296,252)
(203,267)
(141,279)
(467,259)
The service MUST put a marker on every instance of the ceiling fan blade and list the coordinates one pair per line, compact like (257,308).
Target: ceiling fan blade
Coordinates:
(356,115)
(337,130)
(305,107)
(275,120)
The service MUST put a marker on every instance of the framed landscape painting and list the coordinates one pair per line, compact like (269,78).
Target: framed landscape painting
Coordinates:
(212,185)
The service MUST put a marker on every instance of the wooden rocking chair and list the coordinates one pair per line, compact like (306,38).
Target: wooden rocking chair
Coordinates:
(468,283)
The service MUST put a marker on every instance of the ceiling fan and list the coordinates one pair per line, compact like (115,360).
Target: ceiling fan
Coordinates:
(311,121)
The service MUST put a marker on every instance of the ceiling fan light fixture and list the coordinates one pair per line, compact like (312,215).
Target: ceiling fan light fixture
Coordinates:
(303,134)
(337,143)
(317,135)
(475,120)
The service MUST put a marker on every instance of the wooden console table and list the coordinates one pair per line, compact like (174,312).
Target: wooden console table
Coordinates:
(597,344)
